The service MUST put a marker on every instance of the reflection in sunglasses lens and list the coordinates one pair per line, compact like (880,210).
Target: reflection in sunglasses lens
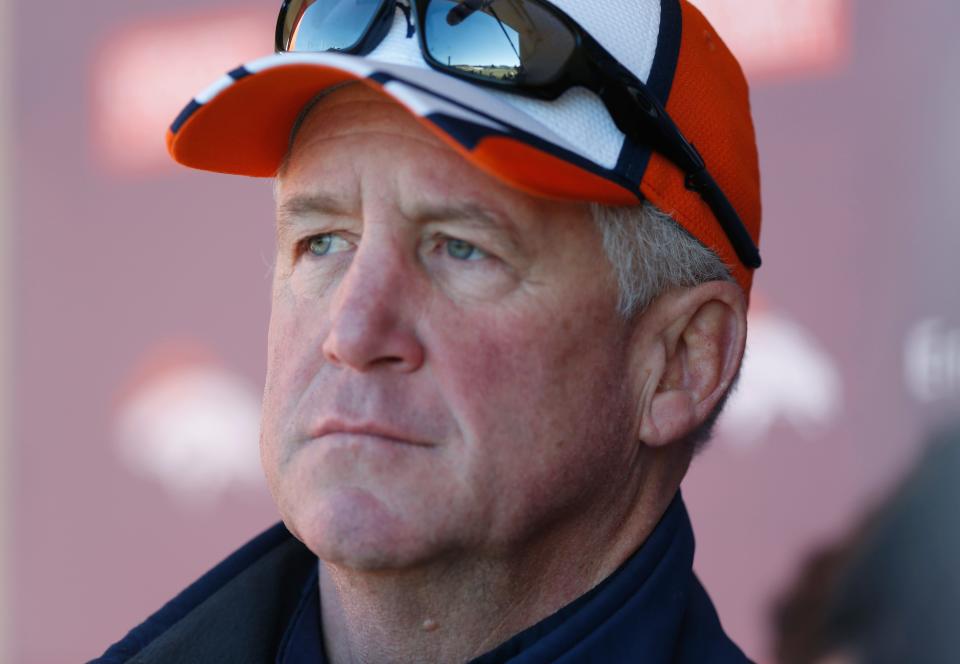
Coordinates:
(324,25)
(504,40)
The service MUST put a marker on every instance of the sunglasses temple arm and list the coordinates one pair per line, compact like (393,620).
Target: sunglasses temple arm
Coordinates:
(652,126)
(711,193)
(461,12)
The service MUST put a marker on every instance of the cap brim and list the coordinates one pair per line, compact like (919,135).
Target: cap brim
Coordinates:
(242,123)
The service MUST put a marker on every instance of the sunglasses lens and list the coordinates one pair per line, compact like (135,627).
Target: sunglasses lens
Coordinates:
(324,25)
(513,41)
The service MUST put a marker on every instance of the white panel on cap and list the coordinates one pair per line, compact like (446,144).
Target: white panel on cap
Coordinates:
(474,97)
(627,28)
(422,104)
(580,117)
(396,48)
(356,66)
(214,89)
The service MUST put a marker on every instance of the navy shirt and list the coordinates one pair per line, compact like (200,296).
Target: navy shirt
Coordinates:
(262,605)
(652,609)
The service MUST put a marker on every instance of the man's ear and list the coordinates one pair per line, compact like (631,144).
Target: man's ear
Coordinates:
(690,346)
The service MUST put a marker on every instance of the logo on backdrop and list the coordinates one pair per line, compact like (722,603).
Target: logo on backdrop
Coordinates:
(786,377)
(191,425)
(147,70)
(774,38)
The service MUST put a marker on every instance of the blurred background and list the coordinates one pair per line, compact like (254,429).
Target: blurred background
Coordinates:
(134,298)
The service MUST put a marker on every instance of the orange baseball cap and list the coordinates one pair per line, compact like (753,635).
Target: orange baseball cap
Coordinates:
(567,148)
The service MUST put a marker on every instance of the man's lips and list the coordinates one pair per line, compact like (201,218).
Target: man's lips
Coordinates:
(370,429)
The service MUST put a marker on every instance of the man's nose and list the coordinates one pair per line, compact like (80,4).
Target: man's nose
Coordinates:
(373,315)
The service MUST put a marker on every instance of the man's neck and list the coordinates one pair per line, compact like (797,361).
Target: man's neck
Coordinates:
(437,615)
(459,608)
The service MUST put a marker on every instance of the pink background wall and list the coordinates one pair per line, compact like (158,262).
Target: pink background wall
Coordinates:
(139,301)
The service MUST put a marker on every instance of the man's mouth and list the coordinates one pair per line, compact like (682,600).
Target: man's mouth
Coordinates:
(330,427)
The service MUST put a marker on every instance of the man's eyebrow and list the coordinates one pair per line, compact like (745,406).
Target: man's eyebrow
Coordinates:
(477,215)
(296,207)
(466,212)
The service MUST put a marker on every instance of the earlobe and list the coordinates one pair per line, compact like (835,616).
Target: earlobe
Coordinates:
(700,340)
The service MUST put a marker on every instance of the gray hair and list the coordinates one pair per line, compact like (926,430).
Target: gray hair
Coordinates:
(650,254)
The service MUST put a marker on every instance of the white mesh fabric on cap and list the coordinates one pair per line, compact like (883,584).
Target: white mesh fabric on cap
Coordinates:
(395,47)
(580,117)
(627,28)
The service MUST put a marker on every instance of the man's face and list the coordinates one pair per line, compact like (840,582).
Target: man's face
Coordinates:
(447,370)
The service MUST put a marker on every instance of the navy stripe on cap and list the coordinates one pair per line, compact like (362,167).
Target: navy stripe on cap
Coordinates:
(634,159)
(194,105)
(238,73)
(668,50)
(184,115)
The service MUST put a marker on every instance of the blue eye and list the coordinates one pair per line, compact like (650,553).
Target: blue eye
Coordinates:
(325,244)
(464,251)
(319,245)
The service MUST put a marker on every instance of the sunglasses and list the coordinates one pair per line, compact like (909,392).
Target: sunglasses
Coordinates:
(527,47)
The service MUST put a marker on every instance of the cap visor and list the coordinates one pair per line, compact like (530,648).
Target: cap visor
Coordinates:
(241,124)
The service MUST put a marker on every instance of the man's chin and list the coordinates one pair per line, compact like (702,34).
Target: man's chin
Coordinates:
(352,528)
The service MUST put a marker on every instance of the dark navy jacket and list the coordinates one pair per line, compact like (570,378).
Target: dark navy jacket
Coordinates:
(262,605)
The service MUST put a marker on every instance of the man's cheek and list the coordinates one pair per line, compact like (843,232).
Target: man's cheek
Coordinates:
(296,347)
(493,385)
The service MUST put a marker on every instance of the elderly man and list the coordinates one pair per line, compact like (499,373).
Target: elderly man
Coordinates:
(508,303)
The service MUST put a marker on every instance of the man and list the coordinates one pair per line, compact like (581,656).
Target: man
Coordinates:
(491,355)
